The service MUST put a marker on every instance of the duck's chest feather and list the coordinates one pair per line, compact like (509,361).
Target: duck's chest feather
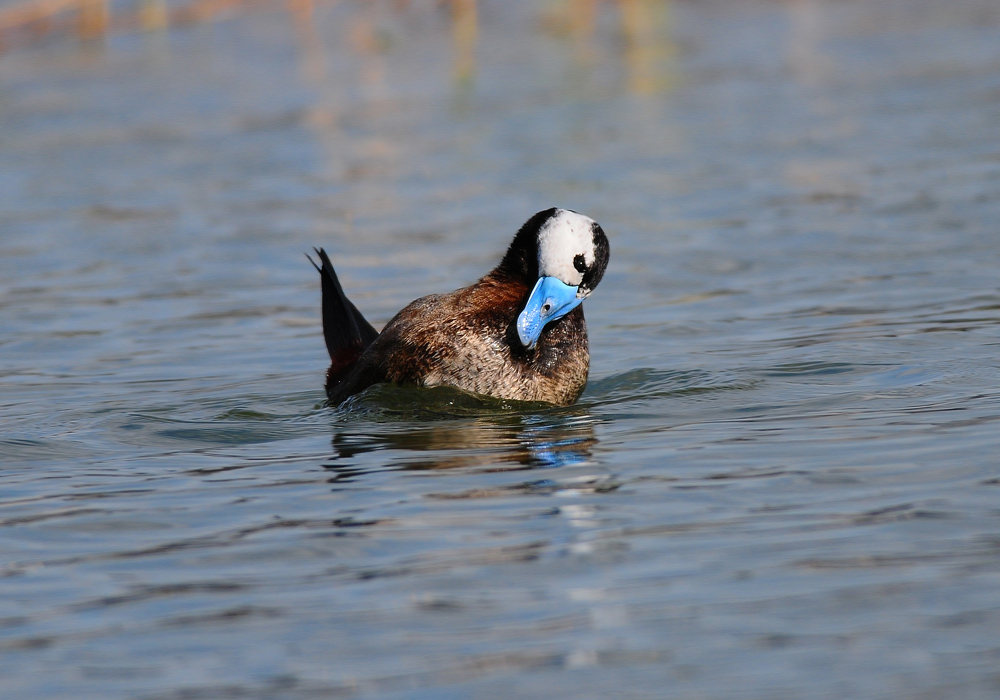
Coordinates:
(468,339)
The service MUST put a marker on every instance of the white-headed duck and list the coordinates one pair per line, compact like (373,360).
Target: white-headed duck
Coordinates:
(518,333)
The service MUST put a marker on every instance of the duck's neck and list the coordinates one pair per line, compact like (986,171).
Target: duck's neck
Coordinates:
(520,262)
(506,287)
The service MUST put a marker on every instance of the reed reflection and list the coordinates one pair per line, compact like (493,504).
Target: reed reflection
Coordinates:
(94,18)
(153,15)
(465,35)
(649,49)
(583,19)
(504,442)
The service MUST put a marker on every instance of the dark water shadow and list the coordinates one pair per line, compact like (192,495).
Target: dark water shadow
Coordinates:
(649,384)
(212,422)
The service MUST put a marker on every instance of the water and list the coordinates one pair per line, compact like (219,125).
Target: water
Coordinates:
(781,482)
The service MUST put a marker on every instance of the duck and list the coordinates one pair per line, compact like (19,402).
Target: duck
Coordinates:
(518,333)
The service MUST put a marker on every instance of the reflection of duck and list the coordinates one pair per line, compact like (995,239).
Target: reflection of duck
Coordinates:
(518,333)
(499,442)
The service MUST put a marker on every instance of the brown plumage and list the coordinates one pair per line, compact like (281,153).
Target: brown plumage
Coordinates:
(469,338)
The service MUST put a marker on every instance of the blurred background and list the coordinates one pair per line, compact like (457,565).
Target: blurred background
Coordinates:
(781,481)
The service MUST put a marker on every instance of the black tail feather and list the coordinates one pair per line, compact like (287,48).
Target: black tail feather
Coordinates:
(345,330)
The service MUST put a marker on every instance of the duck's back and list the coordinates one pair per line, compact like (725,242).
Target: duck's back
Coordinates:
(468,339)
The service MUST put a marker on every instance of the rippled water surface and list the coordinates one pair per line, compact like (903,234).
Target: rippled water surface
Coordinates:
(782,481)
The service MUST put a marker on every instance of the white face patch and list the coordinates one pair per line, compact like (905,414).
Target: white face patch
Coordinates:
(560,239)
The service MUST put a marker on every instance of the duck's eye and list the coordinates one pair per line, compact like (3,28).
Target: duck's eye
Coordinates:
(580,264)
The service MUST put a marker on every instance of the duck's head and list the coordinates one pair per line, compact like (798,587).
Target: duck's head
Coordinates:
(564,255)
